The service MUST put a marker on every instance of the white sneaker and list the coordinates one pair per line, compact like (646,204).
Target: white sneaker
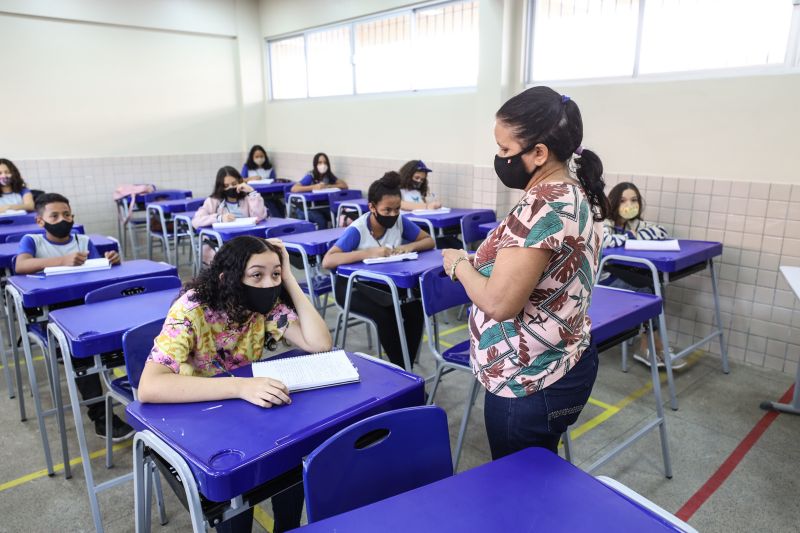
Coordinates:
(645,359)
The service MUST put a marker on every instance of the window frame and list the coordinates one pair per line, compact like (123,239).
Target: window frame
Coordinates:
(791,64)
(351,23)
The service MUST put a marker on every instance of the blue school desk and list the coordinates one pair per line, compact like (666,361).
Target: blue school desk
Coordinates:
(361,205)
(104,244)
(314,244)
(29,292)
(12,220)
(226,451)
(87,331)
(531,490)
(440,221)
(694,256)
(184,230)
(9,250)
(276,187)
(400,275)
(160,194)
(24,229)
(256,230)
(487,227)
(792,275)
(163,211)
(320,199)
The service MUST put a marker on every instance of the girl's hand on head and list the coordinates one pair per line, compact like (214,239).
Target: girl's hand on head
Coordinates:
(264,392)
(286,267)
(244,187)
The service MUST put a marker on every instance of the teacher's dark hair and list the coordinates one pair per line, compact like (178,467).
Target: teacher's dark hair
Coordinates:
(225,293)
(540,115)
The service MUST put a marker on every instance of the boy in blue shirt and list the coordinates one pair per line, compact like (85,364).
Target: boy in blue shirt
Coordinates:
(59,247)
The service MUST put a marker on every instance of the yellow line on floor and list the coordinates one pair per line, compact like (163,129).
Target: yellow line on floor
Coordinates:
(452,330)
(60,466)
(604,405)
(263,518)
(22,360)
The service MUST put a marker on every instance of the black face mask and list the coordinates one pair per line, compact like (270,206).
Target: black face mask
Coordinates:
(232,195)
(261,299)
(418,184)
(511,170)
(60,230)
(387,221)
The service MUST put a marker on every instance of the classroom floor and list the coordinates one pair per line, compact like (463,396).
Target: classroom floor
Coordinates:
(716,413)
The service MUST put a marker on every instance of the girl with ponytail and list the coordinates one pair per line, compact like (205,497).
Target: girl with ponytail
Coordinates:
(531,280)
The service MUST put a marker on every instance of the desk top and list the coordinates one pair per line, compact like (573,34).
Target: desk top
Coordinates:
(315,242)
(547,494)
(154,196)
(268,188)
(315,196)
(690,254)
(446,220)
(98,328)
(256,231)
(24,229)
(38,291)
(177,206)
(405,274)
(792,275)
(614,311)
(11,220)
(233,446)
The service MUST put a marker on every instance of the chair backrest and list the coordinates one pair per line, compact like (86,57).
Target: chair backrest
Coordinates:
(132,287)
(137,343)
(158,196)
(16,237)
(376,458)
(290,229)
(469,225)
(344,194)
(439,292)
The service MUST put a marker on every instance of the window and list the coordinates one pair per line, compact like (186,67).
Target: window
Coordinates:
(430,47)
(584,39)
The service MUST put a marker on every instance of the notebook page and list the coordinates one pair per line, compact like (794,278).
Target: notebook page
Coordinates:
(101,263)
(238,223)
(439,211)
(328,190)
(653,246)
(410,256)
(309,371)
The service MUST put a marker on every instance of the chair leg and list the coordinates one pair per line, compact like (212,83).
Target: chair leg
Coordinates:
(473,392)
(437,379)
(368,331)
(109,416)
(162,513)
(336,331)
(624,356)
(567,440)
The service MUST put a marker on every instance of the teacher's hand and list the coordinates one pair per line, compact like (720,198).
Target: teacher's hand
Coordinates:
(449,256)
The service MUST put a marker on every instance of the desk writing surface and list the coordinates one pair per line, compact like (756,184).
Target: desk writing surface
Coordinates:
(446,220)
(38,290)
(691,253)
(405,274)
(16,229)
(315,242)
(258,229)
(615,311)
(98,328)
(533,490)
(233,446)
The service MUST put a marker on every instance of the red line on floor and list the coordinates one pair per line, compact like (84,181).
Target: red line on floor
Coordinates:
(726,468)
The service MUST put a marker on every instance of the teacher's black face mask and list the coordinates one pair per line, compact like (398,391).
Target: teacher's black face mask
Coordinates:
(511,170)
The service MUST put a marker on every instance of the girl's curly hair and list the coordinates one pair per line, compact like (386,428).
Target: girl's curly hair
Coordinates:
(226,293)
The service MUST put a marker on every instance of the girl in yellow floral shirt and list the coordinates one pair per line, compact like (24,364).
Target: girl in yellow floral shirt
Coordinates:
(248,297)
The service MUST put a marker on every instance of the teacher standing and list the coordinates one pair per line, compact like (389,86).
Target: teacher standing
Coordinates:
(531,280)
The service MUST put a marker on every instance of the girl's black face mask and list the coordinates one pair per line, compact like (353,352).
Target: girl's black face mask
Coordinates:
(232,195)
(386,221)
(261,299)
(511,170)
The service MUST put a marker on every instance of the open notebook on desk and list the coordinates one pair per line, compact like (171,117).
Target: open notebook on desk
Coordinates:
(312,371)
(238,223)
(101,263)
(410,256)
(439,211)
(670,245)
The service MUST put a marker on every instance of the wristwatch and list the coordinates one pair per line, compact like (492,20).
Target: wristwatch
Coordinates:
(455,265)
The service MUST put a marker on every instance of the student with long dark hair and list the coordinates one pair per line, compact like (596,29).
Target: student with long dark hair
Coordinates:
(380,233)
(320,176)
(222,321)
(14,194)
(414,187)
(532,278)
(258,167)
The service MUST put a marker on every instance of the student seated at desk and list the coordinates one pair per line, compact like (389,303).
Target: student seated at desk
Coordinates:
(626,207)
(232,198)
(416,195)
(58,247)
(258,167)
(13,192)
(380,233)
(220,323)
(319,177)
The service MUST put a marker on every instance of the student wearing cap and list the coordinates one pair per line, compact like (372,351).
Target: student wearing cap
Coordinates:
(414,187)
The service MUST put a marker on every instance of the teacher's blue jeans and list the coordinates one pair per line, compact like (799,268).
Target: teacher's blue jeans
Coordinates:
(539,420)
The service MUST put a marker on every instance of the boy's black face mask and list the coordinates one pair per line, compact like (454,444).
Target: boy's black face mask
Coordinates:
(60,229)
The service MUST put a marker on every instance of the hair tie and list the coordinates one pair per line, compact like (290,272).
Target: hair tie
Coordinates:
(564,99)
(579,150)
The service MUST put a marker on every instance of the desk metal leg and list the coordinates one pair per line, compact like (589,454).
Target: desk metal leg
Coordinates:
(4,359)
(723,349)
(791,408)
(662,323)
(15,356)
(662,426)
(58,402)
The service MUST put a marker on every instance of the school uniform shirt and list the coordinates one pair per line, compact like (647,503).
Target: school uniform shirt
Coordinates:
(195,339)
(212,210)
(614,236)
(13,198)
(40,247)
(357,236)
(308,179)
(414,195)
(536,348)
(262,173)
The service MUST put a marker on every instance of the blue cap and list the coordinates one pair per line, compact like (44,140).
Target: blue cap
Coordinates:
(421,167)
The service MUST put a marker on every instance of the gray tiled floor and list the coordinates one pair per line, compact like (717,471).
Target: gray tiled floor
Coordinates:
(716,412)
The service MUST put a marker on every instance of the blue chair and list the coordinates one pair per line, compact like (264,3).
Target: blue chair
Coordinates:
(377,458)
(341,196)
(470,232)
(16,237)
(120,389)
(439,293)
(289,229)
(156,212)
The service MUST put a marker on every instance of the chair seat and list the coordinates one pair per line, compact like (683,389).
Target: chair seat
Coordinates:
(122,387)
(458,354)
(322,285)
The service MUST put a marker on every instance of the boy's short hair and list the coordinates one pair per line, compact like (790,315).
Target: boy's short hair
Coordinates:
(48,198)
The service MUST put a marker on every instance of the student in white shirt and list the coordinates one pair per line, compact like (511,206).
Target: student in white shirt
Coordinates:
(414,190)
